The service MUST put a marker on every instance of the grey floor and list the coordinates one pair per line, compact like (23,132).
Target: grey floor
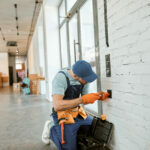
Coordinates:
(21,120)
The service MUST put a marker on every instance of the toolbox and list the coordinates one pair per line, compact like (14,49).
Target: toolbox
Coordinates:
(96,136)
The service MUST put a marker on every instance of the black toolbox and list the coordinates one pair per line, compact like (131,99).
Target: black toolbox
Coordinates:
(96,136)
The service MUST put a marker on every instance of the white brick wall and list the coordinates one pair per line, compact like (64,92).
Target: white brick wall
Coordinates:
(129,38)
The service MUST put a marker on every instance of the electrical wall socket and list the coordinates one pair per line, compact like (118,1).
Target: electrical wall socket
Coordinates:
(110,93)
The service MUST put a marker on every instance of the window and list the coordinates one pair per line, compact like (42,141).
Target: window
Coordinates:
(62,12)
(73,35)
(64,49)
(18,66)
(88,44)
(77,39)
(70,4)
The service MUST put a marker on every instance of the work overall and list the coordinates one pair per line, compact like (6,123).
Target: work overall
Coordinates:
(70,130)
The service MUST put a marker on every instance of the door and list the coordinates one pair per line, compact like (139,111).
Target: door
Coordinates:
(10,75)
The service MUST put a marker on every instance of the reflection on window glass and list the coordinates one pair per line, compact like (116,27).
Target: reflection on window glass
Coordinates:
(62,12)
(64,53)
(74,53)
(70,3)
(88,45)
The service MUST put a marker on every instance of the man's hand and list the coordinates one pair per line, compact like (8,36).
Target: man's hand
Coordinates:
(103,95)
(90,98)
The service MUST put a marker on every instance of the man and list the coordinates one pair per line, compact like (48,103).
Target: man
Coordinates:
(69,90)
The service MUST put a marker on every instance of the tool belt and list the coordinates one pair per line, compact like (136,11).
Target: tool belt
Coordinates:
(67,116)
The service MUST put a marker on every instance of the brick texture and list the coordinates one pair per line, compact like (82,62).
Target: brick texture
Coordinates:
(129,39)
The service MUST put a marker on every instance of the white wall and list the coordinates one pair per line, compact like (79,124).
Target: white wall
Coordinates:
(129,38)
(41,57)
(20,59)
(33,55)
(36,54)
(44,45)
(52,43)
(4,65)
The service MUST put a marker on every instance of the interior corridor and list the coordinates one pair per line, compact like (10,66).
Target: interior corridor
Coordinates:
(40,38)
(22,119)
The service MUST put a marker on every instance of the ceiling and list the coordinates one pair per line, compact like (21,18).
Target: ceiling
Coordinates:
(25,13)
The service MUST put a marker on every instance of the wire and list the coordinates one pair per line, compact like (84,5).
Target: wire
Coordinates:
(106,23)
(33,17)
(16,18)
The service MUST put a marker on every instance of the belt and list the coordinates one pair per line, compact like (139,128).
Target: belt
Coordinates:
(68,115)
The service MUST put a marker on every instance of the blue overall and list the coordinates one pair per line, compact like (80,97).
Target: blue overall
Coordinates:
(70,130)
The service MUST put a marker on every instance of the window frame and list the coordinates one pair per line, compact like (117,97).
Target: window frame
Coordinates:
(75,9)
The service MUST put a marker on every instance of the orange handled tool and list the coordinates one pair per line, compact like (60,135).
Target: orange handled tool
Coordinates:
(62,133)
(61,123)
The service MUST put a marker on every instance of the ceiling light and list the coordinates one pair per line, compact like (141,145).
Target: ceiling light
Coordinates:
(16,18)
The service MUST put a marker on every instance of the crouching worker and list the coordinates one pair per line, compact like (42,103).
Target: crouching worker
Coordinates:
(69,90)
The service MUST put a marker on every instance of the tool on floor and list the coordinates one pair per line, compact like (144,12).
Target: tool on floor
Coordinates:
(97,137)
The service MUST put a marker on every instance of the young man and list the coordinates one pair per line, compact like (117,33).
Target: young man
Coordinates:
(69,90)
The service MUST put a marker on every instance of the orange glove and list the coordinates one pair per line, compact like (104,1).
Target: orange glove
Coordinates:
(103,95)
(90,98)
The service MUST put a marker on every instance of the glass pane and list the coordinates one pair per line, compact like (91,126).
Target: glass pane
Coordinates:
(18,66)
(74,54)
(88,45)
(70,3)
(41,54)
(62,12)
(64,52)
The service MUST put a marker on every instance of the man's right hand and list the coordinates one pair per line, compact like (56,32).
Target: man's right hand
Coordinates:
(103,95)
(90,98)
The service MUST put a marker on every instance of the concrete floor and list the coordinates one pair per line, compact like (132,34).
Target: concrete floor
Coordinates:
(22,119)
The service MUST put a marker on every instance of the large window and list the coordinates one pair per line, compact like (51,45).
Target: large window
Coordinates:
(18,66)
(42,54)
(62,11)
(70,3)
(88,44)
(73,35)
(77,38)
(64,51)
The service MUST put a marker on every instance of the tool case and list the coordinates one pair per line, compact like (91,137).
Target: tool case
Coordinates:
(96,136)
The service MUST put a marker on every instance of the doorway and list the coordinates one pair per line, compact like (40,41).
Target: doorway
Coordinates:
(11,76)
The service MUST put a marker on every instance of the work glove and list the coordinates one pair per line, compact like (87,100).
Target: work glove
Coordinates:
(90,98)
(103,95)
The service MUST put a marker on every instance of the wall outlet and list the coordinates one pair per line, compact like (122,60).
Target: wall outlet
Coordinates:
(110,93)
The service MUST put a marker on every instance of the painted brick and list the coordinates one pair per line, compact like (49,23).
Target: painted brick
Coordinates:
(129,108)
